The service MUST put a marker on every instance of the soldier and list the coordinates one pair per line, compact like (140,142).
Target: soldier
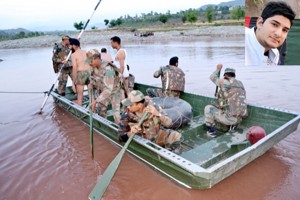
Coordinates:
(154,127)
(172,79)
(107,80)
(105,55)
(81,73)
(60,53)
(231,104)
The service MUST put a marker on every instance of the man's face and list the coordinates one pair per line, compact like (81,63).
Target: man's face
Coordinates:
(273,32)
(95,62)
(134,107)
(113,44)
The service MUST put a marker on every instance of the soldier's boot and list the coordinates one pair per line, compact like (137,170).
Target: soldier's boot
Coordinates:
(211,130)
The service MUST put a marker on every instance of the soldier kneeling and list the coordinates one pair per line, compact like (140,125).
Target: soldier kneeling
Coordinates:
(154,127)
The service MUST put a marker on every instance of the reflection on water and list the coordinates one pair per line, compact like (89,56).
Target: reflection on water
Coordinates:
(48,157)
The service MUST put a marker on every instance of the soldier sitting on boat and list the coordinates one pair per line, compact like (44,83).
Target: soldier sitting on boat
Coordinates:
(172,78)
(106,79)
(154,127)
(231,106)
(60,53)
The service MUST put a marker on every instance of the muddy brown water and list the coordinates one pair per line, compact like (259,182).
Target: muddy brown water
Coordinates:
(48,156)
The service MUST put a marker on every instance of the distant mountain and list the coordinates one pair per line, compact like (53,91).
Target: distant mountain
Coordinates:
(13,31)
(233,3)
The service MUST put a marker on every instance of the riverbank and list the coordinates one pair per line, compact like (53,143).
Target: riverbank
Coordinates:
(128,36)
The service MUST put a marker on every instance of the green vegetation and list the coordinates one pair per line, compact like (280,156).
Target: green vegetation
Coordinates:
(237,13)
(210,14)
(78,26)
(190,16)
(19,35)
(163,18)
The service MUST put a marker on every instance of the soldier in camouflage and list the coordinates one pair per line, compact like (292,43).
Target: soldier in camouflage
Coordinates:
(172,78)
(60,53)
(106,79)
(154,127)
(230,106)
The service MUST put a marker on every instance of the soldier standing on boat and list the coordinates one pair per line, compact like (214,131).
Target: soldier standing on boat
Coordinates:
(154,127)
(81,70)
(230,106)
(60,53)
(107,80)
(105,56)
(172,79)
(121,62)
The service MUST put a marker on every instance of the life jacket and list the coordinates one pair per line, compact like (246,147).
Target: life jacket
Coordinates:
(174,78)
(233,100)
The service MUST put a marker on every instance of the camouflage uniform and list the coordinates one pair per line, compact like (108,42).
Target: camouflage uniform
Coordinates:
(230,107)
(107,82)
(60,52)
(173,82)
(153,128)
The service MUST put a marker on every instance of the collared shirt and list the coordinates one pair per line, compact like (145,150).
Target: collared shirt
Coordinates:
(255,52)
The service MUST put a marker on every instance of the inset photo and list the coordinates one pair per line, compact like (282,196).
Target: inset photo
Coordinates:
(272,32)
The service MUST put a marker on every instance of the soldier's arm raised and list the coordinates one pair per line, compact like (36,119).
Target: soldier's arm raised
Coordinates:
(214,77)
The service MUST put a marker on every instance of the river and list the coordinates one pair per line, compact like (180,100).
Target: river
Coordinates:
(48,157)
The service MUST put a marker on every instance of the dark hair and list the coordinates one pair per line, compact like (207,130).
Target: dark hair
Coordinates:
(278,8)
(103,50)
(230,74)
(173,60)
(141,101)
(74,41)
(116,39)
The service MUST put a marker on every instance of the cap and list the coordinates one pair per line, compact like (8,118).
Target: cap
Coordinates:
(133,97)
(65,37)
(229,70)
(91,54)
(74,41)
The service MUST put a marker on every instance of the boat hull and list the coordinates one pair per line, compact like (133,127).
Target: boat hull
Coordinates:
(188,169)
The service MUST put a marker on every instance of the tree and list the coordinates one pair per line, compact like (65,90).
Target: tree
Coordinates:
(112,23)
(184,18)
(191,16)
(93,27)
(237,13)
(78,26)
(163,18)
(119,21)
(209,14)
(106,21)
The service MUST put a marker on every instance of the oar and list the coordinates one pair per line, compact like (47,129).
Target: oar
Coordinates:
(91,125)
(216,92)
(106,177)
(68,57)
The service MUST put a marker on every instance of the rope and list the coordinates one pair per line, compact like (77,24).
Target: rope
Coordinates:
(8,92)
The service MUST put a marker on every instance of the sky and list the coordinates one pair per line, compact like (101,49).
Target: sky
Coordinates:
(50,15)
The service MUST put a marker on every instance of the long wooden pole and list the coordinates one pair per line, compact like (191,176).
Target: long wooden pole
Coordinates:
(68,57)
(108,174)
(91,125)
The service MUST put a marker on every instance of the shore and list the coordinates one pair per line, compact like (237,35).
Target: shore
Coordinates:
(127,36)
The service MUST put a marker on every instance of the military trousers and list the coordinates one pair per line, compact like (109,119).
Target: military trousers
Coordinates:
(115,100)
(63,79)
(213,114)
